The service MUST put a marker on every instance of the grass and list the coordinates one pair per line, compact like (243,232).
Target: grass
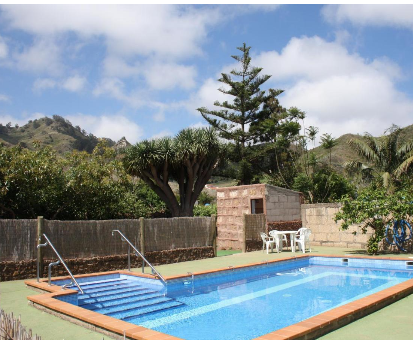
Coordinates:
(227,252)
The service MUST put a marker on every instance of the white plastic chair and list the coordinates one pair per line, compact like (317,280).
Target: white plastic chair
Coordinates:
(276,235)
(303,239)
(267,241)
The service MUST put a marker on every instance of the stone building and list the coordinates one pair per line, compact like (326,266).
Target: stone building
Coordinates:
(277,204)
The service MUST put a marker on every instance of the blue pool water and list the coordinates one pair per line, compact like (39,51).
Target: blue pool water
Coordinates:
(240,304)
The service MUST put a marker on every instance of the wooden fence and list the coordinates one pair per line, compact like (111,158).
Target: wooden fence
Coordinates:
(12,329)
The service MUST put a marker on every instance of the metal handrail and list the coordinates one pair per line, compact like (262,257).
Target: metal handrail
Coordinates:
(38,260)
(139,254)
(51,264)
(63,263)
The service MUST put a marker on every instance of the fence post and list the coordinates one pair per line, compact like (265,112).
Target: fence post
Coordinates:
(214,233)
(142,227)
(244,229)
(40,224)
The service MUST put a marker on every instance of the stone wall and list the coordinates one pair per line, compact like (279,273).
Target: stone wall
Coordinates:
(284,225)
(233,202)
(325,232)
(19,270)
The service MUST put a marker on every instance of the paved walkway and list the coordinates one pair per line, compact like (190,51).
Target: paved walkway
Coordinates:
(392,322)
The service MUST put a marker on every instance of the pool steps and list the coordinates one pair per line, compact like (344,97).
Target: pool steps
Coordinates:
(114,297)
(123,299)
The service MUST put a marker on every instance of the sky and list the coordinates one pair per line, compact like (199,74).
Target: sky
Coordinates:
(141,71)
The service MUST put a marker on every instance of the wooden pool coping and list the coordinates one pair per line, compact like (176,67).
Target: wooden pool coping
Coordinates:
(310,328)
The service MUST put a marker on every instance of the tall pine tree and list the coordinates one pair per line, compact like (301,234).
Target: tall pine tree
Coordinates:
(234,118)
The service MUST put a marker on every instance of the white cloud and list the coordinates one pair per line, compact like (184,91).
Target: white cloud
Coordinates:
(341,92)
(42,57)
(159,75)
(315,58)
(233,10)
(206,96)
(199,125)
(375,15)
(42,84)
(149,41)
(4,50)
(74,84)
(109,126)
(162,76)
(114,66)
(172,31)
(159,116)
(5,119)
(161,134)
(4,98)
(116,89)
(262,7)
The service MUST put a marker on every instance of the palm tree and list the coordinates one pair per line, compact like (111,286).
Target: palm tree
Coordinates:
(312,133)
(328,143)
(388,156)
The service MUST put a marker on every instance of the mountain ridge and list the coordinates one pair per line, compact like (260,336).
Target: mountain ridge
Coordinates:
(56,132)
(61,135)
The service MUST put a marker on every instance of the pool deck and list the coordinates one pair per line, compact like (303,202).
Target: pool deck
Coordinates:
(391,322)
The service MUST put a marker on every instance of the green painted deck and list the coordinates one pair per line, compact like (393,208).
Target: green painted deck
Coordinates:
(392,322)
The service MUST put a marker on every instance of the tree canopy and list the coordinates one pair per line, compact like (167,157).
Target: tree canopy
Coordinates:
(189,159)
(375,208)
(388,157)
(234,117)
(254,120)
(76,186)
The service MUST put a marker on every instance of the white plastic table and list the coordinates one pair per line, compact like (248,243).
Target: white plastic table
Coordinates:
(292,239)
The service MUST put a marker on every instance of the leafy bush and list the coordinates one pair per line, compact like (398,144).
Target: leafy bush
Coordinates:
(374,207)
(80,186)
(205,210)
(205,198)
(324,185)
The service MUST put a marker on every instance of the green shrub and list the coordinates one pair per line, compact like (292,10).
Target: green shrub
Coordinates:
(205,210)
(375,207)
(205,198)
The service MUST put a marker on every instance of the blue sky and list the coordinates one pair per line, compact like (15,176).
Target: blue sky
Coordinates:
(141,71)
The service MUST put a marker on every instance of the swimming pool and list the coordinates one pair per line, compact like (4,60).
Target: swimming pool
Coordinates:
(242,303)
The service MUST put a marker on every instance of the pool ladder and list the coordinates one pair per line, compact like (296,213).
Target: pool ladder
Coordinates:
(74,282)
(138,253)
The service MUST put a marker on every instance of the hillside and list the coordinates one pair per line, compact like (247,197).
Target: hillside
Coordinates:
(56,132)
(61,135)
(343,152)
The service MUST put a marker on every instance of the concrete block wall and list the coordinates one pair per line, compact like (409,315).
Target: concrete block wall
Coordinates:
(282,204)
(325,232)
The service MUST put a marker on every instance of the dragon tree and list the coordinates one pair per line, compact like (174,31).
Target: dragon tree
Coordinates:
(189,159)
